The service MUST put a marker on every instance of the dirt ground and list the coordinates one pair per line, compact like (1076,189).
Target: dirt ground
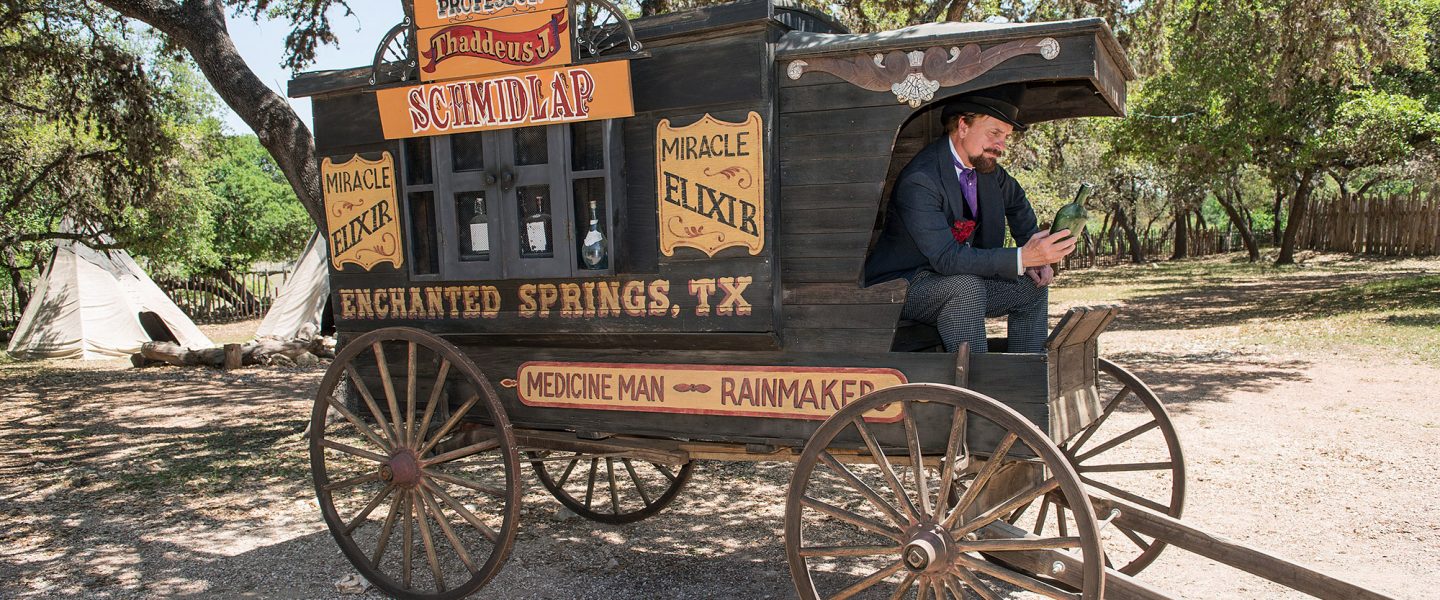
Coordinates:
(167,482)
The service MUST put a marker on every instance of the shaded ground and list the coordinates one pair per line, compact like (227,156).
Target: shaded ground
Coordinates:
(1303,398)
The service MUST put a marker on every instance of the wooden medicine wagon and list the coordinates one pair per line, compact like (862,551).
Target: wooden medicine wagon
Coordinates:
(611,249)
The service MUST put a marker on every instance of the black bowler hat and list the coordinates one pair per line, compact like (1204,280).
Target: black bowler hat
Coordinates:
(1001,102)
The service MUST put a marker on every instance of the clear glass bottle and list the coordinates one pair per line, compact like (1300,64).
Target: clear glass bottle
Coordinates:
(480,229)
(536,232)
(592,250)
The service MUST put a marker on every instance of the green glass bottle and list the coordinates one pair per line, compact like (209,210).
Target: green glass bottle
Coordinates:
(1072,216)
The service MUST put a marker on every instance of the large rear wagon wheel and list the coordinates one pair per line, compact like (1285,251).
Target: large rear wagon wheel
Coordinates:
(609,489)
(418,476)
(1131,452)
(872,525)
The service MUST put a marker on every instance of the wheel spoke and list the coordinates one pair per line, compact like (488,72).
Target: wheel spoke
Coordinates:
(590,484)
(813,551)
(353,481)
(450,423)
(460,509)
(850,517)
(359,424)
(905,585)
(614,492)
(351,450)
(868,582)
(408,553)
(878,455)
(1061,523)
(665,471)
(1095,425)
(410,396)
(1001,545)
(1024,497)
(1135,537)
(369,508)
(639,485)
(1116,441)
(458,453)
(1044,512)
(958,420)
(982,590)
(372,405)
(860,486)
(917,460)
(1125,467)
(560,484)
(448,531)
(1028,583)
(991,467)
(462,482)
(387,530)
(421,512)
(435,391)
(389,387)
(1147,503)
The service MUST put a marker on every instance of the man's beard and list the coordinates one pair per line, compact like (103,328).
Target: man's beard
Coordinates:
(985,163)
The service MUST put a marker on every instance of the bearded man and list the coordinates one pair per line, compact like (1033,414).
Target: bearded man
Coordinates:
(945,232)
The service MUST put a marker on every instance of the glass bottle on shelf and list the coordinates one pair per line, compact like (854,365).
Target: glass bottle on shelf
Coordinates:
(593,249)
(537,229)
(479,229)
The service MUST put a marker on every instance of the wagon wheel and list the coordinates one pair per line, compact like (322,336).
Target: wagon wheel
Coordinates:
(419,480)
(626,491)
(395,56)
(1132,452)
(877,530)
(599,27)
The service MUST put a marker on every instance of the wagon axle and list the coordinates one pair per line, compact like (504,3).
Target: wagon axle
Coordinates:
(403,469)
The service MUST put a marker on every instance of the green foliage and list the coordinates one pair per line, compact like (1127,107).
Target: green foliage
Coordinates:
(257,216)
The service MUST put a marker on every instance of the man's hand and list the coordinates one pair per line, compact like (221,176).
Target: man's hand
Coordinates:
(1045,248)
(1042,276)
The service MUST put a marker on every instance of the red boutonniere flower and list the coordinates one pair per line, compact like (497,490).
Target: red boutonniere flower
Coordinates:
(961,230)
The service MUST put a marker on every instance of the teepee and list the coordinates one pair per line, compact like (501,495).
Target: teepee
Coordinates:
(299,310)
(92,304)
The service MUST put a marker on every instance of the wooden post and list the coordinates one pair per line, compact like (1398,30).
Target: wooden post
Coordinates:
(233,355)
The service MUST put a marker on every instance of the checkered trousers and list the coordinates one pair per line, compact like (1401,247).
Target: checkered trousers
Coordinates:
(958,304)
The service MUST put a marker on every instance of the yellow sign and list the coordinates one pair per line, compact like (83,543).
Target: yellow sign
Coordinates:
(711,185)
(361,213)
(494,46)
(438,13)
(543,97)
(737,391)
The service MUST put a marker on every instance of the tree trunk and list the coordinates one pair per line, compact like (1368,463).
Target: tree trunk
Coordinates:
(199,27)
(1182,234)
(1137,252)
(1239,222)
(1275,223)
(1297,213)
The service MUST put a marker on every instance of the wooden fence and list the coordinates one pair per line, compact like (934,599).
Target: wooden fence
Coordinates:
(1401,225)
(224,297)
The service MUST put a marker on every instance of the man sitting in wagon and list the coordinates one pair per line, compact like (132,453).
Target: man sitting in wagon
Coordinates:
(944,231)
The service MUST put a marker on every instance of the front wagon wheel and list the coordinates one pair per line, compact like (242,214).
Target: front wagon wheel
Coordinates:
(418,477)
(861,521)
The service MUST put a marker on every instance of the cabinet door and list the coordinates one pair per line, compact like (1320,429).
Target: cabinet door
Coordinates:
(533,188)
(471,210)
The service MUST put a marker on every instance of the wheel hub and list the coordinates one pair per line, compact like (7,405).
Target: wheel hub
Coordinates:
(403,469)
(929,550)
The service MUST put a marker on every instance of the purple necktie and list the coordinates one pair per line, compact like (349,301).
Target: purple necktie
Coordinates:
(967,187)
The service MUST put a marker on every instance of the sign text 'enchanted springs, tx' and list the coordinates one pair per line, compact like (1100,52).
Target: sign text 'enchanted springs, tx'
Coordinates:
(541,97)
(711,185)
(361,219)
(777,392)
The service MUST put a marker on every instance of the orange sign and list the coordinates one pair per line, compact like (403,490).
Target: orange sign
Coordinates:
(543,97)
(711,185)
(777,392)
(437,13)
(494,46)
(361,214)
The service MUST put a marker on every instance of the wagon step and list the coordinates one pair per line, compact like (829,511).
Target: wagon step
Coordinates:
(1227,552)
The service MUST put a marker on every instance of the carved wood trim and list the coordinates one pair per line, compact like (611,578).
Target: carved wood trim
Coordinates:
(915,76)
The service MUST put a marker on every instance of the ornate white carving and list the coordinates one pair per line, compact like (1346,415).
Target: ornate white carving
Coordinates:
(1049,48)
(917,58)
(915,90)
(880,60)
(954,54)
(796,68)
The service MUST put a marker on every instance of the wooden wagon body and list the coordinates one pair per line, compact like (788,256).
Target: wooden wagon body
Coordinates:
(654,253)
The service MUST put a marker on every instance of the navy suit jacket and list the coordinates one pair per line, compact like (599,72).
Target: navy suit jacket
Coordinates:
(927,200)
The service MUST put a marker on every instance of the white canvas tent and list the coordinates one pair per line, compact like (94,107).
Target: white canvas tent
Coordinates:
(301,303)
(93,304)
